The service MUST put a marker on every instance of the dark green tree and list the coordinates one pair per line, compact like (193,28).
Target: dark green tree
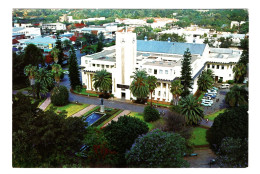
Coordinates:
(157,149)
(152,84)
(151,114)
(60,96)
(238,95)
(33,55)
(74,74)
(233,153)
(122,134)
(60,53)
(205,81)
(232,123)
(19,78)
(186,73)
(40,139)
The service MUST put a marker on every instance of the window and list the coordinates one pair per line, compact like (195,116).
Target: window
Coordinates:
(150,70)
(230,66)
(153,92)
(229,75)
(98,65)
(103,66)
(164,85)
(155,71)
(222,67)
(166,71)
(160,71)
(208,65)
(107,66)
(213,66)
(217,66)
(159,93)
(93,65)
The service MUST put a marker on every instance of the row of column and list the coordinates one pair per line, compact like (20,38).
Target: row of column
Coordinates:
(89,82)
(162,90)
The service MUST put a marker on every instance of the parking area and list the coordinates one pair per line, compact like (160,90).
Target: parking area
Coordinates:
(218,102)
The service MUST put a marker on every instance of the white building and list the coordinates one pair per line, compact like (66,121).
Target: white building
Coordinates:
(70,19)
(236,23)
(54,26)
(29,32)
(221,61)
(161,59)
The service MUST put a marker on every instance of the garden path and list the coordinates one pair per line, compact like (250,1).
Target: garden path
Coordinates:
(45,104)
(125,112)
(83,111)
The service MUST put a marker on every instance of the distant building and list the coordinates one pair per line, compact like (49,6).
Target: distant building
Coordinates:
(54,27)
(236,23)
(29,32)
(70,19)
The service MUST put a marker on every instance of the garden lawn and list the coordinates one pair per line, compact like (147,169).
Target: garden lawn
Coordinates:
(198,136)
(159,104)
(83,92)
(71,108)
(141,117)
(214,115)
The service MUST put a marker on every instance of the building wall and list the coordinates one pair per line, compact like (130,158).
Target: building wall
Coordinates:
(221,70)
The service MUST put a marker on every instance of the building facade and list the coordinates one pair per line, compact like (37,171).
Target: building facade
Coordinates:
(161,59)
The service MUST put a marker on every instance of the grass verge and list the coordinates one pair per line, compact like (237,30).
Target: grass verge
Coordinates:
(70,108)
(83,92)
(214,115)
(198,136)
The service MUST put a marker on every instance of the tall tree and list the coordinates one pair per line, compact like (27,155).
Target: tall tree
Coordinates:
(176,90)
(44,81)
(191,109)
(152,84)
(31,71)
(60,48)
(74,73)
(139,86)
(240,71)
(102,81)
(33,55)
(186,73)
(19,78)
(55,54)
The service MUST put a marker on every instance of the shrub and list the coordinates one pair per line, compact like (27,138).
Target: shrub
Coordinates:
(78,88)
(60,96)
(220,80)
(176,108)
(157,149)
(230,81)
(151,114)
(232,123)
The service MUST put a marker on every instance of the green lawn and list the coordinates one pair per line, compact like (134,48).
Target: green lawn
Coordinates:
(198,136)
(140,116)
(71,108)
(83,92)
(214,115)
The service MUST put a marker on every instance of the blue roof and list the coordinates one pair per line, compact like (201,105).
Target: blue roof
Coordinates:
(169,47)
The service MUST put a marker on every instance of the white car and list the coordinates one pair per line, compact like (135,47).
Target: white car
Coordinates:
(210,91)
(207,101)
(225,86)
(206,104)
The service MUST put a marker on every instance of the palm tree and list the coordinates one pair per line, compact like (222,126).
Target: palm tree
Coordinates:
(176,90)
(55,53)
(237,96)
(210,73)
(152,84)
(44,80)
(31,71)
(240,71)
(139,86)
(205,81)
(191,109)
(102,81)
(57,71)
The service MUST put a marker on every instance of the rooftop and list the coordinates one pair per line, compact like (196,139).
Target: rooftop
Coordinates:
(169,47)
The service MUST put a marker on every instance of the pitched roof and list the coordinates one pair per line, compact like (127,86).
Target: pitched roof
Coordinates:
(169,47)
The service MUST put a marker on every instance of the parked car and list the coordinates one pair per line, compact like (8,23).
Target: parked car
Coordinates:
(212,95)
(212,91)
(215,88)
(207,101)
(206,104)
(206,98)
(225,86)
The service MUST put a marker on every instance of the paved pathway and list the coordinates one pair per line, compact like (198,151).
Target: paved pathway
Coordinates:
(202,160)
(125,112)
(45,104)
(205,123)
(83,111)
